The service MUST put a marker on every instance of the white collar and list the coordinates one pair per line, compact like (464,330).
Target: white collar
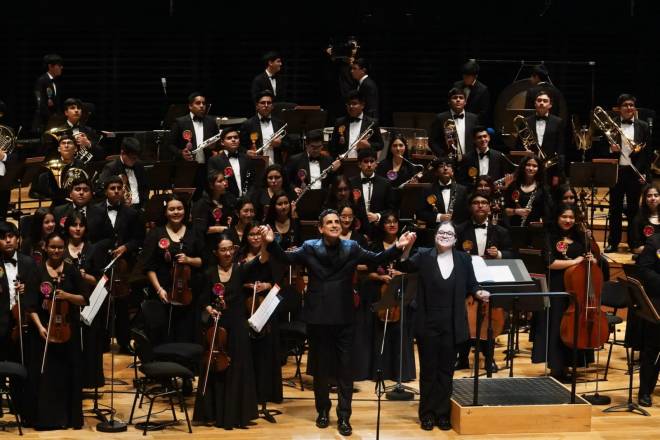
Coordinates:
(362,79)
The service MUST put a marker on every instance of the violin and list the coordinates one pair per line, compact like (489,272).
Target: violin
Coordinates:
(21,320)
(390,314)
(215,356)
(181,293)
(59,327)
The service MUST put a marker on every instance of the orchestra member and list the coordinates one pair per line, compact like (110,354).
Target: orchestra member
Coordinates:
(446,278)
(477,95)
(85,136)
(348,129)
(188,131)
(261,128)
(465,123)
(628,182)
(61,380)
(396,167)
(646,222)
(350,224)
(483,160)
(273,182)
(52,186)
(48,93)
(366,86)
(446,200)
(526,197)
(80,193)
(540,80)
(128,164)
(304,168)
(270,79)
(329,308)
(42,224)
(339,193)
(280,218)
(237,167)
(244,214)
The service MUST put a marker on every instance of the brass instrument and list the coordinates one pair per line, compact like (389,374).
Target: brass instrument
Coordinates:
(71,175)
(529,142)
(207,143)
(7,140)
(128,195)
(452,140)
(83,154)
(610,129)
(582,134)
(278,133)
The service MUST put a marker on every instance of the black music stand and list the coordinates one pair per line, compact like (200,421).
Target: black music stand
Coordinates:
(259,162)
(410,196)
(643,308)
(33,167)
(526,237)
(301,120)
(159,175)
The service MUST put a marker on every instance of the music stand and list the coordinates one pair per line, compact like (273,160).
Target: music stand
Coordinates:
(308,205)
(301,120)
(185,173)
(159,175)
(34,167)
(643,308)
(410,196)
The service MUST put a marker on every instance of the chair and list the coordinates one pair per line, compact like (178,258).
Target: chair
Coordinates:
(160,380)
(613,295)
(10,372)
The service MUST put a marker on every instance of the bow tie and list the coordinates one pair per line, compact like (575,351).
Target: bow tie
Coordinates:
(113,207)
(11,261)
(461,116)
(367,180)
(482,155)
(313,159)
(80,209)
(541,118)
(481,226)
(265,120)
(198,119)
(627,121)
(234,154)
(444,187)
(354,119)
(126,167)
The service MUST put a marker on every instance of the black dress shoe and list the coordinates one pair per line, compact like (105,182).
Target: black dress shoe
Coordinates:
(344,427)
(444,423)
(611,248)
(645,400)
(427,424)
(322,421)
(494,368)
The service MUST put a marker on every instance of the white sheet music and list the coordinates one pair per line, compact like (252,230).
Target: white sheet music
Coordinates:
(491,274)
(265,310)
(95,301)
(501,274)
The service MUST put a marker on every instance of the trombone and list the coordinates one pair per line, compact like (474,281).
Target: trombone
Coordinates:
(452,140)
(278,133)
(529,142)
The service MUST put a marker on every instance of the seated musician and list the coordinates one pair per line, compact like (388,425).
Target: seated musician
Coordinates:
(646,222)
(478,236)
(85,136)
(304,168)
(80,193)
(50,184)
(128,164)
(236,165)
(465,123)
(349,128)
(281,218)
(274,181)
(261,128)
(446,200)
(483,160)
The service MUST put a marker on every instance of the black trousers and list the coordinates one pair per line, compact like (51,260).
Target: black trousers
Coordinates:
(649,363)
(331,346)
(628,185)
(437,355)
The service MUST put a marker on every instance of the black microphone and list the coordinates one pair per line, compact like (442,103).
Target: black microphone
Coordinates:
(163,82)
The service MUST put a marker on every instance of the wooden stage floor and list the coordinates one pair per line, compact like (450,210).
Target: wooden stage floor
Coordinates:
(399,419)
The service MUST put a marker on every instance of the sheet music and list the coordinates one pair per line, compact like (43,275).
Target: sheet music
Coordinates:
(501,274)
(491,274)
(265,310)
(95,301)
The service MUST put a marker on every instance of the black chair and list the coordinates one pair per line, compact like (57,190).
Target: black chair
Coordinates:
(613,295)
(159,381)
(10,373)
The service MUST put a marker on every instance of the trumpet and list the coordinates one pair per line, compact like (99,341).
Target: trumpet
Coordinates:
(529,142)
(364,135)
(278,133)
(208,142)
(452,140)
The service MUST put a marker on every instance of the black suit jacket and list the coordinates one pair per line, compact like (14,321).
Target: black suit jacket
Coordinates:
(498,166)
(339,143)
(643,159)
(369,91)
(116,167)
(424,261)
(253,125)
(261,83)
(553,138)
(44,90)
(299,162)
(128,229)
(437,135)
(382,199)
(329,298)
(27,272)
(176,141)
(478,102)
(649,269)
(495,236)
(63,211)
(428,213)
(220,162)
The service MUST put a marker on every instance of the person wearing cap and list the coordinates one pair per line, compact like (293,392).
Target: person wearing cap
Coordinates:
(445,200)
(47,92)
(483,160)
(261,127)
(372,193)
(465,123)
(348,128)
(85,136)
(270,79)
(128,164)
(366,86)
(540,80)
(477,95)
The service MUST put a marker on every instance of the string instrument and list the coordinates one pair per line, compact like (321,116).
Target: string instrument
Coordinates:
(390,314)
(59,326)
(252,303)
(20,320)
(215,356)
(181,293)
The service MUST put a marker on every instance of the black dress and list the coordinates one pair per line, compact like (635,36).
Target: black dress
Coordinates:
(514,197)
(206,213)
(231,396)
(57,393)
(641,230)
(160,250)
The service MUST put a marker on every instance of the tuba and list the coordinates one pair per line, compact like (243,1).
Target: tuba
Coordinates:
(452,140)
(529,142)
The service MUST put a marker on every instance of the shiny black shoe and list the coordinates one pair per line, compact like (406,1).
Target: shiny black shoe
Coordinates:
(323,420)
(427,424)
(645,400)
(444,423)
(344,427)
(611,248)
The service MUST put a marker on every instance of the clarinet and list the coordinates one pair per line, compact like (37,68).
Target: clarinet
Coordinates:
(452,199)
(528,206)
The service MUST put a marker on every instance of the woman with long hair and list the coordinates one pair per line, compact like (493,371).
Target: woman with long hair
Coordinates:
(43,223)
(280,217)
(394,168)
(525,198)
(646,222)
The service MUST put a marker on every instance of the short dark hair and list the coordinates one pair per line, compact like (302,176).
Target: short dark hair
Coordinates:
(454,92)
(110,180)
(365,153)
(325,213)
(72,102)
(442,160)
(8,228)
(66,136)
(625,97)
(362,63)
(543,92)
(315,135)
(270,57)
(263,93)
(193,95)
(130,145)
(541,72)
(479,129)
(470,68)
(52,58)
(354,94)
(226,131)
(80,180)
(478,193)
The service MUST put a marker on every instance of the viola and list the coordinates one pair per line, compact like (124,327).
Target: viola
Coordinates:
(390,314)
(181,293)
(59,327)
(215,356)
(120,275)
(475,308)
(20,317)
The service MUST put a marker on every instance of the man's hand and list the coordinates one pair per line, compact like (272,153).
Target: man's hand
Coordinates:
(252,153)
(364,143)
(492,252)
(372,217)
(615,148)
(336,164)
(445,217)
(185,153)
(275,143)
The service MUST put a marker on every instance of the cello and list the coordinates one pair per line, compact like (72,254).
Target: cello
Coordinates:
(215,357)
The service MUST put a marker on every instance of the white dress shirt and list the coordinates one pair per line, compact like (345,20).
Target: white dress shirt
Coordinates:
(481,235)
(54,86)
(273,82)
(133,185)
(11,272)
(483,163)
(446,197)
(367,191)
(460,129)
(112,214)
(236,166)
(540,130)
(361,81)
(198,126)
(267,133)
(626,150)
(314,172)
(353,133)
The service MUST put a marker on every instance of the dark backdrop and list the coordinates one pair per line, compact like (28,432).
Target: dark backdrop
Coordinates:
(115,57)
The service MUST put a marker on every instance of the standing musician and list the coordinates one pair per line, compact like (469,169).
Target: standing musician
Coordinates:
(270,79)
(525,199)
(478,236)
(446,278)
(55,390)
(237,167)
(349,128)
(465,123)
(329,308)
(366,86)
(628,182)
(175,243)
(483,160)
(128,164)
(47,92)
(228,399)
(85,136)
(304,168)
(446,200)
(80,194)
(647,221)
(116,230)
(649,272)
(188,131)
(540,80)
(477,95)
(274,181)
(261,128)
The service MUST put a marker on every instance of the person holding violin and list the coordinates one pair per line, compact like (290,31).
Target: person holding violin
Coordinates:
(55,364)
(525,198)
(565,248)
(379,278)
(478,236)
(446,278)
(172,262)
(227,392)
(265,345)
(42,224)
(647,221)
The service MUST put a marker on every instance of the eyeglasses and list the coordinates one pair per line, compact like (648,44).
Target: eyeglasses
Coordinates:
(445,234)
